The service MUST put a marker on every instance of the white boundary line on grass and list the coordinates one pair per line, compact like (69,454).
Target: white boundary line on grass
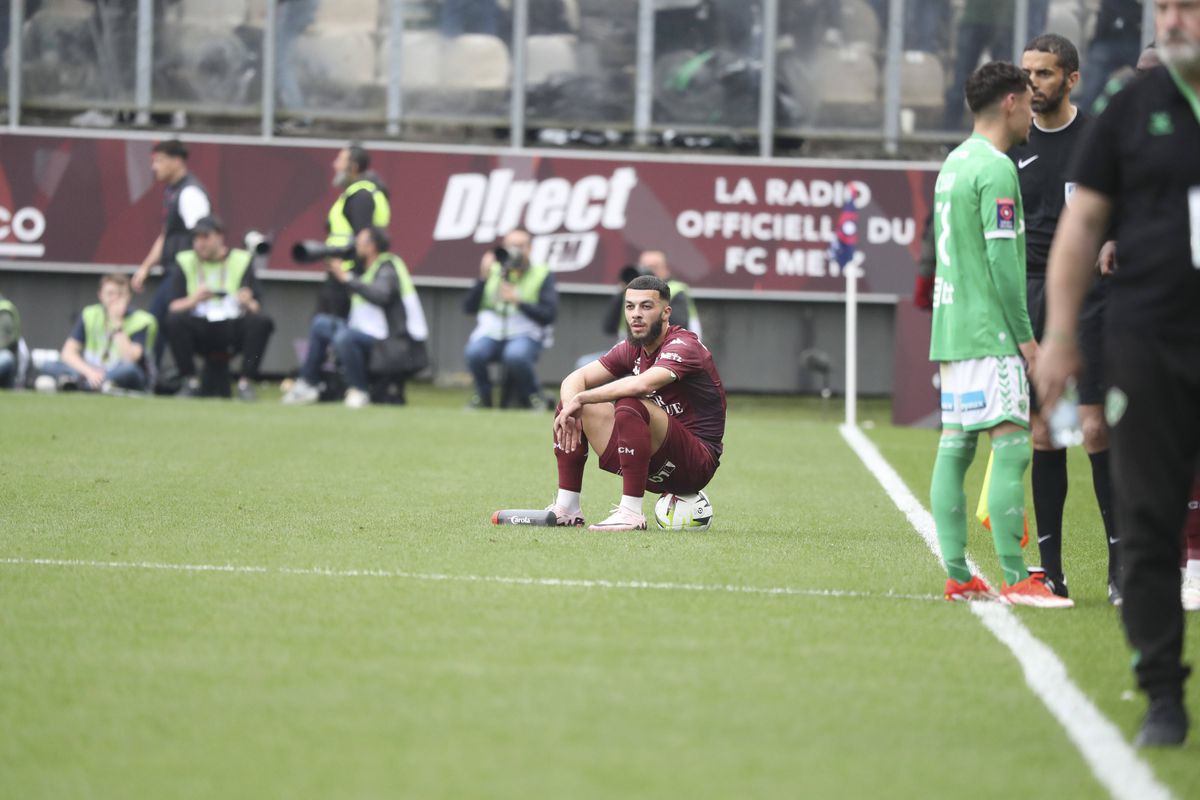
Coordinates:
(570,583)
(1113,761)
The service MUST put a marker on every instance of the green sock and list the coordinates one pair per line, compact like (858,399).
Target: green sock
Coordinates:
(956,450)
(1006,502)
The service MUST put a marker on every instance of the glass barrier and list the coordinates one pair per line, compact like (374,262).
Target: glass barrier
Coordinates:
(581,58)
(78,60)
(333,64)
(208,62)
(1114,44)
(5,56)
(829,73)
(707,63)
(457,61)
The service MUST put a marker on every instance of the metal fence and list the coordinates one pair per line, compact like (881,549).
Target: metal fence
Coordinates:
(620,73)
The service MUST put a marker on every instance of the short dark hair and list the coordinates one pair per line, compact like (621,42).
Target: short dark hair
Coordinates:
(651,282)
(379,238)
(171,147)
(208,224)
(993,81)
(359,156)
(1058,46)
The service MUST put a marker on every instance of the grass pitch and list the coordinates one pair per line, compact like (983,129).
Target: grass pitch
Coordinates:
(434,678)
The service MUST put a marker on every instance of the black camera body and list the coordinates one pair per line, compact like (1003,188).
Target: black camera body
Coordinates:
(310,250)
(631,271)
(257,243)
(510,261)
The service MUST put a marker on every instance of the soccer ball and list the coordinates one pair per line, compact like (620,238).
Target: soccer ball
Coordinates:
(683,512)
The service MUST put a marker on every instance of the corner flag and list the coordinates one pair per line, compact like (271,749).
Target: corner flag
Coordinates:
(981,511)
(842,248)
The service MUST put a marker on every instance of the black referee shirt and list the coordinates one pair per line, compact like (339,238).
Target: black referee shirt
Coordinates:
(1143,153)
(1043,167)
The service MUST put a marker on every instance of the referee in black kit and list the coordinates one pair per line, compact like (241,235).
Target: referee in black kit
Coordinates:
(1141,159)
(1045,172)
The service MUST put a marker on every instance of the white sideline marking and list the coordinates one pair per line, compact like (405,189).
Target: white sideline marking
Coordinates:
(570,583)
(1113,761)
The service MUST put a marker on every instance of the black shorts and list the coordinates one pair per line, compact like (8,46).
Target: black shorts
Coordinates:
(1091,336)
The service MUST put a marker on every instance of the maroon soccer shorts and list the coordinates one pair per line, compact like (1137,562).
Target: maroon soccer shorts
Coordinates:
(683,465)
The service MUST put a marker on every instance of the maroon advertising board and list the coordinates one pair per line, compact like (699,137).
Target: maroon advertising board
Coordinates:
(731,225)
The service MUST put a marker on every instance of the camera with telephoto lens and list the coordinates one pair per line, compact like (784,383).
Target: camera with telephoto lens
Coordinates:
(509,260)
(257,243)
(310,250)
(631,271)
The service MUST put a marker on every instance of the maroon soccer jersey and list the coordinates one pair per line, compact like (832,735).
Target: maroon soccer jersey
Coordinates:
(696,398)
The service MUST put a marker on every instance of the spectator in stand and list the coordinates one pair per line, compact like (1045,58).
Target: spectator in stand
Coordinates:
(292,18)
(469,16)
(983,26)
(1116,43)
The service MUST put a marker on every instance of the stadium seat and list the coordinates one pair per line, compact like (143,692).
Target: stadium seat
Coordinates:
(66,8)
(422,60)
(922,82)
(476,61)
(348,13)
(550,56)
(1065,19)
(847,76)
(859,23)
(217,13)
(336,59)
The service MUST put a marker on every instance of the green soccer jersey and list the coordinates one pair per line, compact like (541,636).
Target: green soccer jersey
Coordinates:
(979,230)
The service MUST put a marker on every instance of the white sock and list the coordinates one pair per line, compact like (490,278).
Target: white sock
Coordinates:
(1193,569)
(569,501)
(633,504)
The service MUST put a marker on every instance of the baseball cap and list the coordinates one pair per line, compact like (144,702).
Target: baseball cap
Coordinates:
(208,225)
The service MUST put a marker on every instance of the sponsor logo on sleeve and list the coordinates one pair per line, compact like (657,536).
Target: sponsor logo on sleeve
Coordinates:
(1006,214)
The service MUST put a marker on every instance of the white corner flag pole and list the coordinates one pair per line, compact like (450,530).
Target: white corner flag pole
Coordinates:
(851,344)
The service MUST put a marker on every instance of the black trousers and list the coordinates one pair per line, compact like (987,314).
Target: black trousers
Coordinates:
(1155,443)
(190,336)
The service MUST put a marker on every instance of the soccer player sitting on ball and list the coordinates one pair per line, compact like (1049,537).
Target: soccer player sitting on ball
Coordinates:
(653,408)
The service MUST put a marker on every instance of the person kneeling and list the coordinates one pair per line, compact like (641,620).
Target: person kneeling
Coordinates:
(385,333)
(107,348)
(216,308)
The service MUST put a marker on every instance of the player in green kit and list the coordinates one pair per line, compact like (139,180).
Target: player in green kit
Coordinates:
(981,332)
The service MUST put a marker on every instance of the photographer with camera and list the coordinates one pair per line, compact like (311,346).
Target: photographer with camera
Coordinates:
(215,307)
(683,308)
(363,203)
(385,333)
(515,302)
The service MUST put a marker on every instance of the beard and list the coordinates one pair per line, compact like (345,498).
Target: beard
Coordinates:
(653,331)
(1050,103)
(1183,56)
